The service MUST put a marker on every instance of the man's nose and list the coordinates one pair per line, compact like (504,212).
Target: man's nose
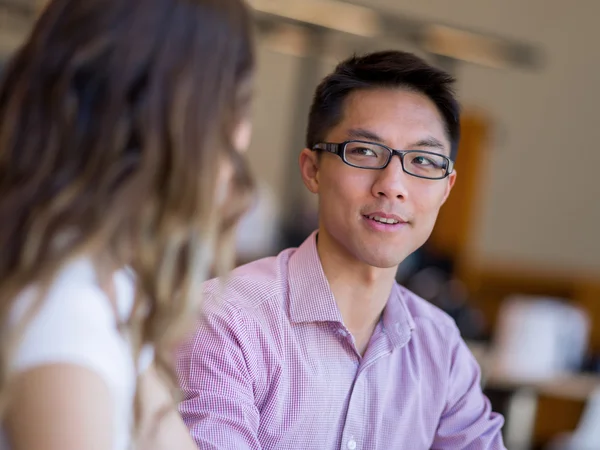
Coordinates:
(391,182)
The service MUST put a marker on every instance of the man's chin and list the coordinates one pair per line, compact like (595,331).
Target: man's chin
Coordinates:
(385,261)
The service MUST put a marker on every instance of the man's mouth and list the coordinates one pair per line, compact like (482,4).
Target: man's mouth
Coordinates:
(380,219)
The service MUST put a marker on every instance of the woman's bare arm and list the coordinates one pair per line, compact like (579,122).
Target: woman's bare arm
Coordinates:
(60,407)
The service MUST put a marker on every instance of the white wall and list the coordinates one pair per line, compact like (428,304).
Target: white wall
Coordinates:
(274,97)
(541,197)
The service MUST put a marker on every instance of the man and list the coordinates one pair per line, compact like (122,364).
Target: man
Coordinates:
(319,348)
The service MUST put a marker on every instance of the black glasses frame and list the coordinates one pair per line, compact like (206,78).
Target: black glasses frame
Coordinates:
(340,150)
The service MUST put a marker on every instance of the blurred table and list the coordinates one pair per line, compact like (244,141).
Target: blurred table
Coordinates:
(569,387)
(521,407)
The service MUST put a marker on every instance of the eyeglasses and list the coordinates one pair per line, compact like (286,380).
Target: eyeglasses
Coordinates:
(369,155)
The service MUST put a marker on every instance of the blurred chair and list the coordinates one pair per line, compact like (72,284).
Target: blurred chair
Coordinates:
(540,338)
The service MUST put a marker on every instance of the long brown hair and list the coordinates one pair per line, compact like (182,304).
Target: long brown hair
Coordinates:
(115,117)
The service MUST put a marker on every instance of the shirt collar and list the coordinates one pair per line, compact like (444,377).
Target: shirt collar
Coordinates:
(311,299)
(398,321)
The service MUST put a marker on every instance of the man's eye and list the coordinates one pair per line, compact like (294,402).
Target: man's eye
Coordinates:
(422,161)
(431,161)
(363,151)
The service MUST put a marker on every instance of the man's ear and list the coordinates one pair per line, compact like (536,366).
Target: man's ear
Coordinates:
(309,169)
(450,185)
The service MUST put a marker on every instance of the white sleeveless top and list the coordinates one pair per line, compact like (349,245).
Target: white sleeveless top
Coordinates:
(76,324)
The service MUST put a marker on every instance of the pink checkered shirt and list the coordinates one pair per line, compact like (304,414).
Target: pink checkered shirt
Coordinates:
(272,366)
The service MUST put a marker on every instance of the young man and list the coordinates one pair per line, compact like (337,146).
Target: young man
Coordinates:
(319,348)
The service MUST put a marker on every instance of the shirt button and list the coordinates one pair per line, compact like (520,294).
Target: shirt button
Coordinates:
(343,332)
(351,444)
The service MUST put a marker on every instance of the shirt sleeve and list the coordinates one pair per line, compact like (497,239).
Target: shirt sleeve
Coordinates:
(467,421)
(215,374)
(74,325)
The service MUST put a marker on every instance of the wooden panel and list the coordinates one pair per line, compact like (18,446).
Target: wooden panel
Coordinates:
(555,416)
(587,295)
(490,285)
(452,233)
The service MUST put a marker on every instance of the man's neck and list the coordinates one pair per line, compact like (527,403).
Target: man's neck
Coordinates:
(361,291)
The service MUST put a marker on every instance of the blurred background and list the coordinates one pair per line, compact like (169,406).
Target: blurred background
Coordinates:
(515,255)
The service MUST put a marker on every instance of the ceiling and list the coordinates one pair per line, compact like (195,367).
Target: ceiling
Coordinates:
(17,16)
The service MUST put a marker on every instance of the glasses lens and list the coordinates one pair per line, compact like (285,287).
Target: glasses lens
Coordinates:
(427,165)
(363,154)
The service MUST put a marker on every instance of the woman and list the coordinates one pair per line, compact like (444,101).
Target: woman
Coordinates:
(121,127)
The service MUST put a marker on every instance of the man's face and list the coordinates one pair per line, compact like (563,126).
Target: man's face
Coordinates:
(349,197)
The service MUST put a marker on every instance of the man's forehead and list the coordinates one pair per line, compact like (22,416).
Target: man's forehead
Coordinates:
(381,114)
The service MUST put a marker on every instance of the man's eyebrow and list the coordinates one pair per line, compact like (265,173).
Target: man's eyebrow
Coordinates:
(429,142)
(361,133)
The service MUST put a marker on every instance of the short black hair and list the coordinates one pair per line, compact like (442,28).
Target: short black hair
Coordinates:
(386,69)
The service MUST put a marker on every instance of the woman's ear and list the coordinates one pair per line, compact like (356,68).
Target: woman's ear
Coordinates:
(242,135)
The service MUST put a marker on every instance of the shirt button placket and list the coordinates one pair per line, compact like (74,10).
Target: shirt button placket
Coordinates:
(351,444)
(355,416)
